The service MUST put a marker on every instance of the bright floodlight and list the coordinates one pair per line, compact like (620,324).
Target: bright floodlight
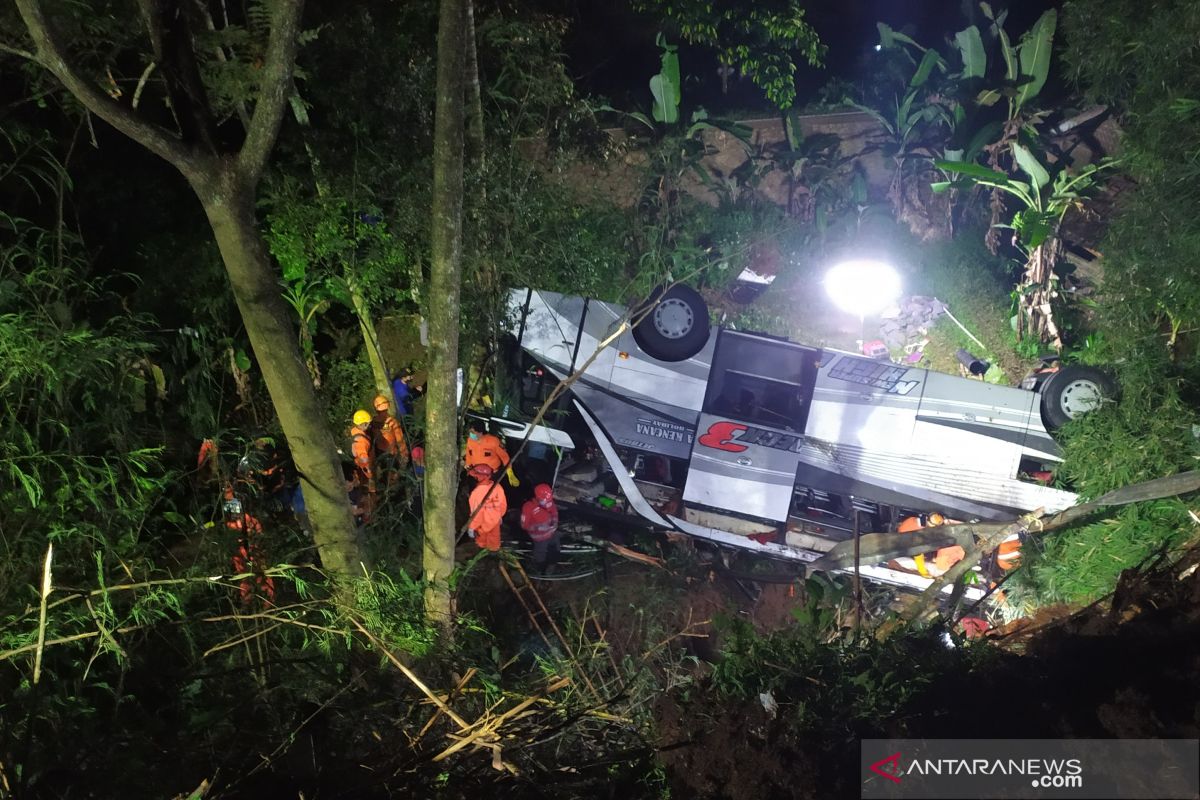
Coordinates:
(862,287)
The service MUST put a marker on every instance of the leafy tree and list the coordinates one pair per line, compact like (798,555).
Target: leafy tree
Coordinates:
(206,87)
(762,39)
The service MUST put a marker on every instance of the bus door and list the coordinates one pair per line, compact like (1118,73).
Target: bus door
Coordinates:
(746,452)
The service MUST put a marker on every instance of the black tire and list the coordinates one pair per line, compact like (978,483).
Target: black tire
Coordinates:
(674,325)
(1072,392)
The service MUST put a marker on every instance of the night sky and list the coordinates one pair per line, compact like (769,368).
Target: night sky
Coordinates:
(612,54)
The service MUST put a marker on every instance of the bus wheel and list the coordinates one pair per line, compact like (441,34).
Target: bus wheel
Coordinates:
(1074,391)
(673,324)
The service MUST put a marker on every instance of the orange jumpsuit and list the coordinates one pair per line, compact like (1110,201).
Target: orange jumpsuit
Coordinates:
(943,559)
(487,449)
(364,458)
(249,557)
(1008,554)
(392,436)
(487,514)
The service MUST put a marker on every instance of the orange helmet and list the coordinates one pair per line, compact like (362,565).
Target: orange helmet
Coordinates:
(935,519)
(382,403)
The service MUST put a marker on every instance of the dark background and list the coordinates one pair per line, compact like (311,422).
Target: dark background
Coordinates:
(611,52)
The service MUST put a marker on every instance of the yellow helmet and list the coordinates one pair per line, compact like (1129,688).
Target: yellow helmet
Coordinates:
(361,417)
(935,519)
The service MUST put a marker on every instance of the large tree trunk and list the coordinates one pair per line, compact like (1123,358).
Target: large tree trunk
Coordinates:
(226,186)
(230,210)
(441,418)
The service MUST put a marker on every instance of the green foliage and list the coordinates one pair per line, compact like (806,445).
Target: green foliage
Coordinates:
(1141,59)
(666,86)
(1148,434)
(394,609)
(527,89)
(1040,213)
(323,239)
(828,683)
(71,466)
(763,40)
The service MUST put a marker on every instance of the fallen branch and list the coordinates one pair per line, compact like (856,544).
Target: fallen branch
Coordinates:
(449,698)
(974,554)
(488,726)
(877,547)
(408,673)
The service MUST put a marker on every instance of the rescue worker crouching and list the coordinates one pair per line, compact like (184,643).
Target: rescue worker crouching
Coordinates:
(486,449)
(487,507)
(539,520)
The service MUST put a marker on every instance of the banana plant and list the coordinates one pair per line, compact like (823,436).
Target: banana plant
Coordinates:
(1043,201)
(678,147)
(919,123)
(1026,65)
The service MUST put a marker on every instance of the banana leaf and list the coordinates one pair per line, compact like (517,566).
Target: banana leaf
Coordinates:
(1030,165)
(974,57)
(1035,57)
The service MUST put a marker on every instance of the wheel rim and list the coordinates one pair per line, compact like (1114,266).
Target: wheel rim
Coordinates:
(673,318)
(1079,397)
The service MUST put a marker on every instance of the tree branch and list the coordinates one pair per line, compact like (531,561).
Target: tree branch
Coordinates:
(16,51)
(50,53)
(274,90)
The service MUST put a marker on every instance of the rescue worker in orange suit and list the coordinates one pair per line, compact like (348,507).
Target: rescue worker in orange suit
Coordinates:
(363,451)
(487,449)
(487,504)
(388,439)
(1008,554)
(944,557)
(539,520)
(249,555)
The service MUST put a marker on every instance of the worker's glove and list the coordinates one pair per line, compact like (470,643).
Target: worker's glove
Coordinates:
(470,533)
(512,478)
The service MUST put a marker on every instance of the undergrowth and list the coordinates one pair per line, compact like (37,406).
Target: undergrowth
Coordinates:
(1147,434)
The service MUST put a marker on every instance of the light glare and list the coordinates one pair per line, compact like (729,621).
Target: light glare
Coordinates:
(862,287)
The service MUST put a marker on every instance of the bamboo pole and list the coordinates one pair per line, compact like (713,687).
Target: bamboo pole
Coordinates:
(47,583)
(412,676)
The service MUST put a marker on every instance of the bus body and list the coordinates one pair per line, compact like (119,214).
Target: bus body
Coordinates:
(769,445)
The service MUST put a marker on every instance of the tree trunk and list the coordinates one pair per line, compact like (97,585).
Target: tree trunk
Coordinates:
(230,210)
(1038,292)
(366,326)
(362,309)
(474,123)
(226,186)
(441,428)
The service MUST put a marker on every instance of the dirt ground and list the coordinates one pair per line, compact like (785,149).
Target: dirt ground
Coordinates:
(1126,667)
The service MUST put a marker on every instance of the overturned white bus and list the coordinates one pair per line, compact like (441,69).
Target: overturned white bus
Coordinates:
(764,444)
